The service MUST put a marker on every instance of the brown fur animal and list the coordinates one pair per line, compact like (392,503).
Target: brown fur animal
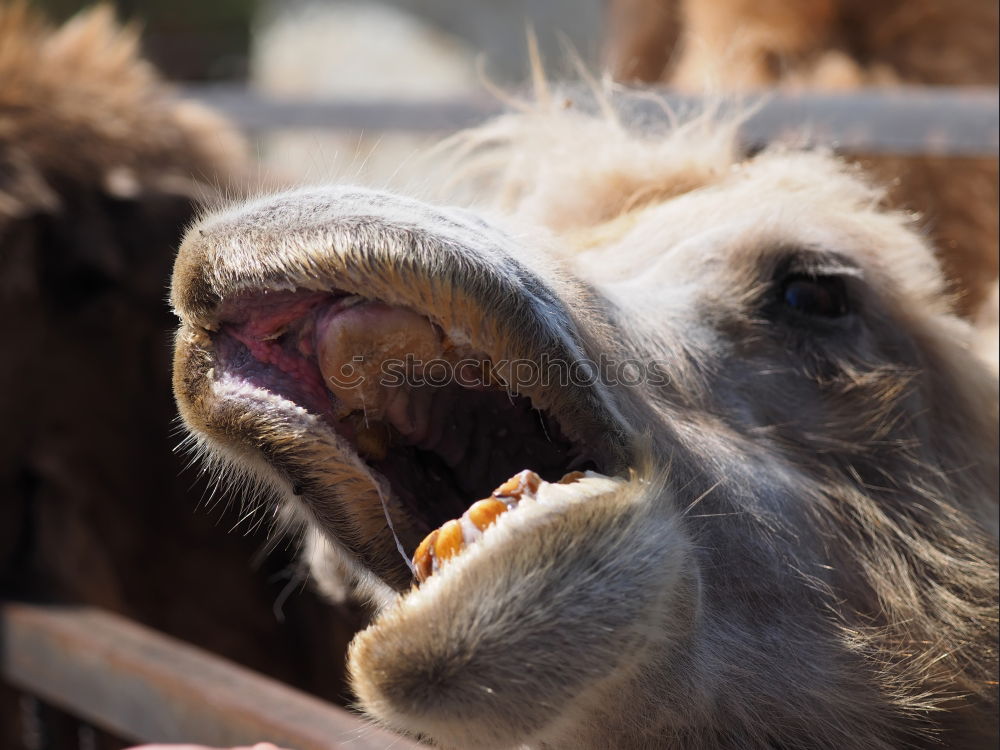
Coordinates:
(733,45)
(793,543)
(101,168)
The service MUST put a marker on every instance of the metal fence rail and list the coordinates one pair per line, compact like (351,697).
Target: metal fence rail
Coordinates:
(146,687)
(907,120)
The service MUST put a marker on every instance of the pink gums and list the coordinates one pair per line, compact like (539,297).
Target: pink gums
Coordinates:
(258,332)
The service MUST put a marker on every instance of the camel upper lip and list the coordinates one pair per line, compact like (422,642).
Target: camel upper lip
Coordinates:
(236,293)
(446,264)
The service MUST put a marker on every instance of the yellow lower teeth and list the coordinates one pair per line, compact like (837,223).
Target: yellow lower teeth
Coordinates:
(451,537)
(482,513)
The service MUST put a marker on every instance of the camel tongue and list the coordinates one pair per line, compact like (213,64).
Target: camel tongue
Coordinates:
(356,339)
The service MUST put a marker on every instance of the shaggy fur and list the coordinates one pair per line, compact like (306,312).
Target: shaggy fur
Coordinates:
(726,45)
(101,168)
(803,551)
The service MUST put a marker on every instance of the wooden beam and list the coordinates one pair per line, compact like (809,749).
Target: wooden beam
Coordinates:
(143,686)
(907,120)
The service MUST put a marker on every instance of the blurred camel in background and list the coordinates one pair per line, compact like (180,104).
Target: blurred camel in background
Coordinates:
(835,45)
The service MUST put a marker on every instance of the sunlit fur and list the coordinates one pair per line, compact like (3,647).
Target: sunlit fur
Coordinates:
(804,552)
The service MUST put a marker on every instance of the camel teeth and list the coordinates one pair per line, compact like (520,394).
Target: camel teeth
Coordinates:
(423,558)
(454,536)
(483,513)
(449,542)
(526,482)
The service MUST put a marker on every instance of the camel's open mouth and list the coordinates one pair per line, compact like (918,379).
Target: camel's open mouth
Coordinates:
(439,424)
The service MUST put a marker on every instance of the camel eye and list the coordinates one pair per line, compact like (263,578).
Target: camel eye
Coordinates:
(819,296)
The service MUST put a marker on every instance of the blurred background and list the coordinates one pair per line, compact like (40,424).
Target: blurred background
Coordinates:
(229,40)
(357,50)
